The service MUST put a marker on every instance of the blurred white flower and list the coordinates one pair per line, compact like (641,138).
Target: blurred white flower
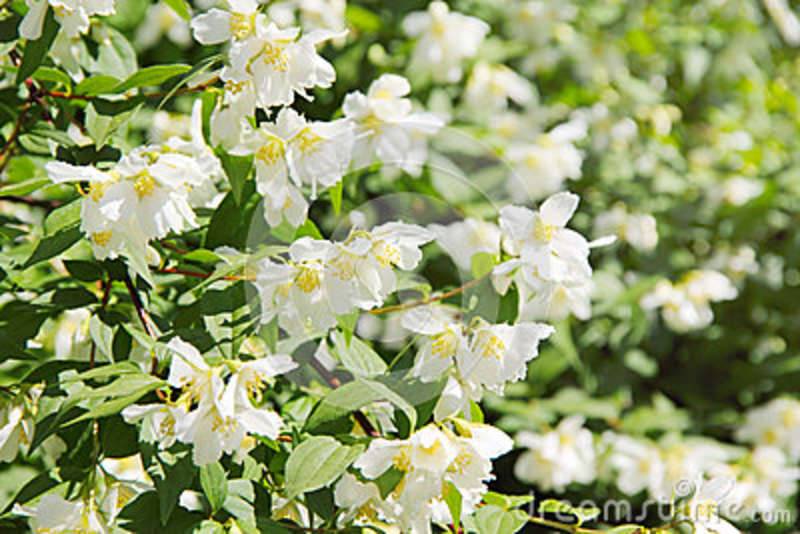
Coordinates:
(555,459)
(685,306)
(159,20)
(490,87)
(637,229)
(72,15)
(444,40)
(461,240)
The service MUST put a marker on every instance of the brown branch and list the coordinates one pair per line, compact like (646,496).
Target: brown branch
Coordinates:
(155,94)
(5,152)
(334,382)
(30,201)
(422,302)
(143,318)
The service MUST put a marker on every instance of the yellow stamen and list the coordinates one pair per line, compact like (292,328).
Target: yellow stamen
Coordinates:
(101,239)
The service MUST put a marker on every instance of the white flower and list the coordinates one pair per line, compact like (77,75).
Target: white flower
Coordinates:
(160,19)
(313,14)
(281,63)
(310,153)
(637,229)
(445,40)
(542,167)
(362,501)
(56,514)
(490,87)
(636,463)
(685,306)
(387,129)
(444,340)
(558,458)
(702,510)
(218,25)
(16,425)
(294,291)
(738,191)
(189,371)
(785,19)
(463,239)
(542,240)
(776,423)
(499,353)
(158,422)
(144,197)
(72,15)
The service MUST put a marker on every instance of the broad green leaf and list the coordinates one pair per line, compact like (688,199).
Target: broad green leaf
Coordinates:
(50,74)
(97,85)
(316,463)
(237,168)
(23,188)
(491,519)
(35,51)
(357,357)
(482,264)
(150,76)
(54,245)
(353,396)
(116,56)
(215,485)
(62,217)
(506,502)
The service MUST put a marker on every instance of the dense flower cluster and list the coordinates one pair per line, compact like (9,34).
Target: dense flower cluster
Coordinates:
(289,279)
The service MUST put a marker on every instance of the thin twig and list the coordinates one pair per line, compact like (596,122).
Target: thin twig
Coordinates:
(143,318)
(334,382)
(422,302)
(30,201)
(155,94)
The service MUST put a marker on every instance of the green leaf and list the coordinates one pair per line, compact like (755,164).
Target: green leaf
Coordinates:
(237,168)
(23,188)
(452,497)
(35,51)
(344,400)
(170,481)
(116,55)
(181,7)
(357,357)
(62,217)
(362,18)
(97,85)
(154,75)
(482,264)
(506,502)
(32,489)
(491,519)
(316,463)
(582,514)
(335,193)
(215,484)
(54,245)
(121,393)
(49,74)
(85,271)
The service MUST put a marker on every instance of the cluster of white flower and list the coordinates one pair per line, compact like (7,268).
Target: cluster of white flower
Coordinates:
(762,478)
(323,279)
(550,264)
(555,459)
(429,461)
(475,357)
(542,165)
(444,40)
(637,229)
(686,305)
(214,415)
(145,195)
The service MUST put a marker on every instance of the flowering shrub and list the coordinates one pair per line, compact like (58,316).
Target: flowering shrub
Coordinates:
(316,265)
